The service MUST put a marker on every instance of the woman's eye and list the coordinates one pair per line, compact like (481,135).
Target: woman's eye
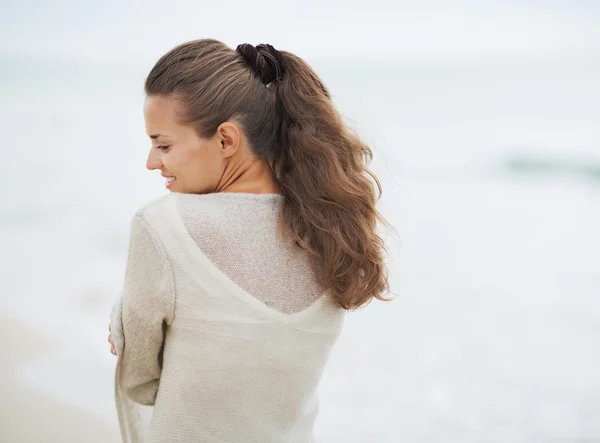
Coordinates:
(163,147)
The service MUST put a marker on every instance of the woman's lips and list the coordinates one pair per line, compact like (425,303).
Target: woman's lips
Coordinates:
(169,181)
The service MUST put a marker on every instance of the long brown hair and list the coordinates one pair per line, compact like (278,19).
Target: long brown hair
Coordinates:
(321,167)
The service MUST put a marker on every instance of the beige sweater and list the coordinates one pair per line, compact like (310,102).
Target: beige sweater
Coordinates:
(221,328)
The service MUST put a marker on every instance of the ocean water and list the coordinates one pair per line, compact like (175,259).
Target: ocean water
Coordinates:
(491,177)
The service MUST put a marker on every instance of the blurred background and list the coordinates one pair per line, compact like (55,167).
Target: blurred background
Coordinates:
(485,121)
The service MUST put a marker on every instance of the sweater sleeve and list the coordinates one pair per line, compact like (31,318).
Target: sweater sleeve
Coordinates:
(142,313)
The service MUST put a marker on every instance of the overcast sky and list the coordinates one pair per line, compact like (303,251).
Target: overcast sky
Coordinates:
(115,30)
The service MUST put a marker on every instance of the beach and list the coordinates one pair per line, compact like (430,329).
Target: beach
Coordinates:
(490,178)
(30,416)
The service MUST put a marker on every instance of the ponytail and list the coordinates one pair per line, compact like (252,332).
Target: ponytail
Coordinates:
(330,194)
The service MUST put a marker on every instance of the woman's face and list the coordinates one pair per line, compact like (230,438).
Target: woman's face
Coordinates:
(189,164)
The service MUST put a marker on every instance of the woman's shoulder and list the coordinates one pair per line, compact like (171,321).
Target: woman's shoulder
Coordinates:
(171,199)
(151,205)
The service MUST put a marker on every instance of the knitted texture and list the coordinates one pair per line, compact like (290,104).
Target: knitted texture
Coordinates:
(241,236)
(222,328)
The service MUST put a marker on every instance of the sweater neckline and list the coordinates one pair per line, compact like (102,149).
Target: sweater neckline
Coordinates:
(242,195)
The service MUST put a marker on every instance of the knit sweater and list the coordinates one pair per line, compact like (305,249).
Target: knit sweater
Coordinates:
(222,328)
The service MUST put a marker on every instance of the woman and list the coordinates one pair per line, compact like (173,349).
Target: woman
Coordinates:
(238,280)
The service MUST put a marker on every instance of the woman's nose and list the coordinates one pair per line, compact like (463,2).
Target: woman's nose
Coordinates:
(153,160)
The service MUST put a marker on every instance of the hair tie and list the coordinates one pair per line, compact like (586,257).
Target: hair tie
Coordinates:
(266,61)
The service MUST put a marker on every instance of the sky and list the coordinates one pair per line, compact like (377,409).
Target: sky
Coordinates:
(424,29)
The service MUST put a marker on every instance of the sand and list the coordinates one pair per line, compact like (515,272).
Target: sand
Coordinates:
(28,416)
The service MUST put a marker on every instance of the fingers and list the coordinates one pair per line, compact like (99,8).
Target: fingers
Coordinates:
(113,351)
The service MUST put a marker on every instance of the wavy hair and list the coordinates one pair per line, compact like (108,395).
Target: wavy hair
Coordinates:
(321,166)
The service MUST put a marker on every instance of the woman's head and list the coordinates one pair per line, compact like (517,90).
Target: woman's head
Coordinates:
(217,104)
(203,95)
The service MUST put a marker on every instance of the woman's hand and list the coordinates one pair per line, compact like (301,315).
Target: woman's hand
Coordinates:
(113,351)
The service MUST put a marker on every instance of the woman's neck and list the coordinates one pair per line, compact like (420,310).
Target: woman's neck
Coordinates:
(253,177)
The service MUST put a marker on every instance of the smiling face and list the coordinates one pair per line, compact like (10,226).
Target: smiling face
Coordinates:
(190,164)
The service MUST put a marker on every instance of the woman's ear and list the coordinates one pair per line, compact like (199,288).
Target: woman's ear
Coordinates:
(230,138)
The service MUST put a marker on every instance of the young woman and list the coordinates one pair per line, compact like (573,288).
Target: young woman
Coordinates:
(237,280)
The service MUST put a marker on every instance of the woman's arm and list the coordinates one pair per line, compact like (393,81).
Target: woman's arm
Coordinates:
(141,314)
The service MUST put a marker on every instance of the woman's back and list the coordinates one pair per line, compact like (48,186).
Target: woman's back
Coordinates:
(240,234)
(248,326)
